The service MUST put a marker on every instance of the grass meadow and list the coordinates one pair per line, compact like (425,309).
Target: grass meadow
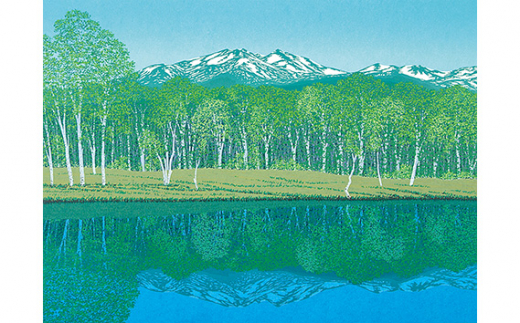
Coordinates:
(225,184)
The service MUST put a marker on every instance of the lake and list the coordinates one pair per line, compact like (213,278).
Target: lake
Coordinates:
(297,261)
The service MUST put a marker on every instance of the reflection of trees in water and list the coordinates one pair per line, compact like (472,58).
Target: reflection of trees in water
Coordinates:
(90,264)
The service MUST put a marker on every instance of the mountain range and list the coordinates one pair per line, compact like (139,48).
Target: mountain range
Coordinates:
(283,69)
(280,287)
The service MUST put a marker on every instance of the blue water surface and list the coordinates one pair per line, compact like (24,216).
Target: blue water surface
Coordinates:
(441,304)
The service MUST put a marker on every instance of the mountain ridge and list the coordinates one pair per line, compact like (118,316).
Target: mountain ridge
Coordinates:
(279,68)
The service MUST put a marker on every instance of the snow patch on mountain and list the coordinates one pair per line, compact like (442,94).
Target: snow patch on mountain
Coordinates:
(466,76)
(283,68)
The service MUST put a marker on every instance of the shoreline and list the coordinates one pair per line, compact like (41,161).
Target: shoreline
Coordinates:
(277,199)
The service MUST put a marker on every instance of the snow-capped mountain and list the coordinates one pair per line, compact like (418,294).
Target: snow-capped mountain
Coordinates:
(240,66)
(279,68)
(466,76)
(239,289)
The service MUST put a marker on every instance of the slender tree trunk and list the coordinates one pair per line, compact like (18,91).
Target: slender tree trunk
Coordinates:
(63,129)
(397,156)
(220,140)
(435,165)
(93,152)
(294,143)
(384,153)
(80,150)
(195,177)
(244,145)
(340,162)
(49,154)
(350,176)
(220,149)
(308,150)
(325,145)
(361,151)
(183,156)
(103,128)
(457,152)
(190,156)
(266,140)
(416,159)
(113,148)
(142,159)
(128,151)
(166,166)
(378,172)
(138,134)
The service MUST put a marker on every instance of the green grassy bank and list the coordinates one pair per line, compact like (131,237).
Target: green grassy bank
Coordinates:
(225,184)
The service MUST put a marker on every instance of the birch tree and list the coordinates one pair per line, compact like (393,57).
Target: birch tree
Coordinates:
(54,94)
(417,103)
(211,121)
(85,53)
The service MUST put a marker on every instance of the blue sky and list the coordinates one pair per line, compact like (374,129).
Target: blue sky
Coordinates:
(349,35)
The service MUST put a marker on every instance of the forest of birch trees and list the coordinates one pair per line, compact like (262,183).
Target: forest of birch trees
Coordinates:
(96,116)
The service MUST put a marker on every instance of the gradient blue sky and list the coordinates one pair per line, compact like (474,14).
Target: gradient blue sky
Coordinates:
(349,35)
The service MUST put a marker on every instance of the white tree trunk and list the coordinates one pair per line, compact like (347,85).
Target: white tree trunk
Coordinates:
(294,143)
(220,148)
(128,151)
(266,140)
(112,150)
(340,161)
(378,172)
(195,177)
(324,149)
(457,152)
(49,155)
(103,128)
(63,129)
(244,145)
(324,157)
(308,150)
(166,167)
(397,156)
(416,160)
(384,153)
(141,149)
(350,176)
(80,150)
(93,153)
(142,158)
(361,151)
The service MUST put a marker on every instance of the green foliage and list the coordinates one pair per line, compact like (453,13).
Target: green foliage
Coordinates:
(404,172)
(120,163)
(466,175)
(88,73)
(449,176)
(287,164)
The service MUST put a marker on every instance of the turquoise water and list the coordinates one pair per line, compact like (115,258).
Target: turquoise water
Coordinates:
(411,261)
(347,304)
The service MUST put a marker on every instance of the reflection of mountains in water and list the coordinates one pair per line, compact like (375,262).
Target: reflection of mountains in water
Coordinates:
(239,289)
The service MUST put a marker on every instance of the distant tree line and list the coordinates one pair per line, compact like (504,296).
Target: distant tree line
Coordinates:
(358,126)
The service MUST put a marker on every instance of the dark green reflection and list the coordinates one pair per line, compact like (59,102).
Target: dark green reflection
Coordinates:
(90,262)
